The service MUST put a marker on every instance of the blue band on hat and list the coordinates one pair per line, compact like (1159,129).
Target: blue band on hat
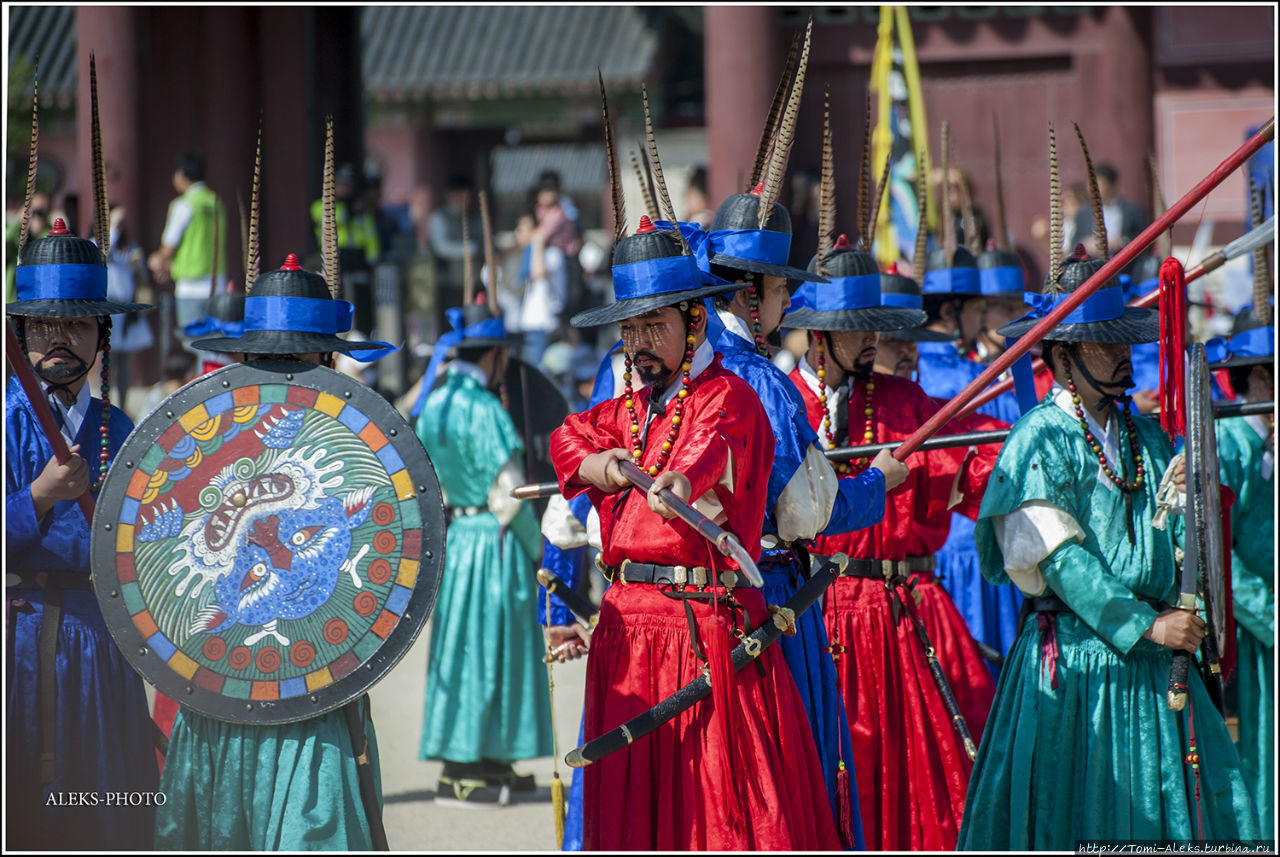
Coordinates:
(996,280)
(208,326)
(650,277)
(297,315)
(755,245)
(906,300)
(490,328)
(861,292)
(955,281)
(61,282)
(1254,342)
(1103,305)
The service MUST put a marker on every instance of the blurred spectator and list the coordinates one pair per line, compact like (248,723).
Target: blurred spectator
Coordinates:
(957,187)
(557,217)
(127,281)
(186,255)
(355,212)
(803,208)
(531,294)
(697,205)
(179,367)
(37,226)
(1124,218)
(444,230)
(1075,203)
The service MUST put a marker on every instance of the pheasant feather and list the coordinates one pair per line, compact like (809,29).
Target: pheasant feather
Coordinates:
(330,229)
(31,163)
(922,222)
(1055,215)
(864,176)
(1095,199)
(645,178)
(876,199)
(615,180)
(1261,263)
(972,242)
(101,211)
(827,187)
(785,136)
(253,250)
(1002,223)
(667,210)
(948,227)
(775,112)
(490,257)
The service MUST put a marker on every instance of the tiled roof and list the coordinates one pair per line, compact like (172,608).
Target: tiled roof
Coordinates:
(476,52)
(49,34)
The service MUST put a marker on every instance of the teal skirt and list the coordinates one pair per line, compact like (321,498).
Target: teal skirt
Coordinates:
(1255,689)
(1084,747)
(232,787)
(486,695)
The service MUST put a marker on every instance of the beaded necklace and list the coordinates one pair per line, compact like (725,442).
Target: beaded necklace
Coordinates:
(1135,449)
(753,301)
(104,455)
(682,396)
(868,410)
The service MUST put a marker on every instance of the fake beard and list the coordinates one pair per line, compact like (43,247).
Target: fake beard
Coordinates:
(656,374)
(61,373)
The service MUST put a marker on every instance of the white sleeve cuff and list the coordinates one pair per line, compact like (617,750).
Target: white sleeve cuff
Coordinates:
(503,506)
(560,526)
(1027,536)
(805,505)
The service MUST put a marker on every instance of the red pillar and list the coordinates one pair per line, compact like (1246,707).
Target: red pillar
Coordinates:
(743,62)
(108,33)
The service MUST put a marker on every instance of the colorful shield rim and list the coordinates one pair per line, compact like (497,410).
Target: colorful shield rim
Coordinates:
(270,489)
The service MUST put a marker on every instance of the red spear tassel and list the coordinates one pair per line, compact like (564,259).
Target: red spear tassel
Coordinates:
(1228,657)
(844,801)
(1173,348)
(716,636)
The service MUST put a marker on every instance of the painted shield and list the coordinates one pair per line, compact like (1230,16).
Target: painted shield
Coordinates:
(1204,543)
(268,542)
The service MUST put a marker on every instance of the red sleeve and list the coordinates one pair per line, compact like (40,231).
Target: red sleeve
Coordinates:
(974,464)
(584,434)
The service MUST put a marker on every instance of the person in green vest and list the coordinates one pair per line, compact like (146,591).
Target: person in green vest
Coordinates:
(357,223)
(196,220)
(1246,461)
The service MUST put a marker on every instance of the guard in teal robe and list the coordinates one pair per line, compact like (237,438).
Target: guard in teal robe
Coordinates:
(487,702)
(290,787)
(1246,458)
(1081,743)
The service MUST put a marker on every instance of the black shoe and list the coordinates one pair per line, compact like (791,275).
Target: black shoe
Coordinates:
(472,793)
(501,773)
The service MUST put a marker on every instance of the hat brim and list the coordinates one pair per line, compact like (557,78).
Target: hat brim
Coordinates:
(281,342)
(765,268)
(72,308)
(919,334)
(871,318)
(632,307)
(1137,325)
(1243,360)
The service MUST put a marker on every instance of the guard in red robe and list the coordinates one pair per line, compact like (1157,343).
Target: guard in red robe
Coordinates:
(738,771)
(912,768)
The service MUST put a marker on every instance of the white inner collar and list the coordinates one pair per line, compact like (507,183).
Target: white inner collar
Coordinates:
(466,367)
(1110,436)
(73,417)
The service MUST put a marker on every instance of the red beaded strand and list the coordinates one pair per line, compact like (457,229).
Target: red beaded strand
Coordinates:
(682,396)
(753,302)
(104,455)
(1134,447)
(868,410)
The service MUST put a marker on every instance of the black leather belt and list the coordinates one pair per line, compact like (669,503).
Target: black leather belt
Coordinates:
(674,575)
(1053,604)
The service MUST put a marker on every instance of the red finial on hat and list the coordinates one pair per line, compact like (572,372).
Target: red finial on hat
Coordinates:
(892,269)
(842,243)
(991,244)
(758,189)
(291,263)
(646,225)
(1079,253)
(59,227)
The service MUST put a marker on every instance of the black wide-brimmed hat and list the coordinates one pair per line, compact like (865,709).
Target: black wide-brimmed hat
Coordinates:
(223,313)
(651,269)
(1252,341)
(64,276)
(290,311)
(897,290)
(736,240)
(952,274)
(1000,274)
(851,299)
(1103,317)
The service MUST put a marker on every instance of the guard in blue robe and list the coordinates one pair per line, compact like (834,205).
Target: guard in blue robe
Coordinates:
(77,730)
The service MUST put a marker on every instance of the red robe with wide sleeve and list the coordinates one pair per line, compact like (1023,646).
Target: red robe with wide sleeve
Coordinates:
(738,771)
(912,771)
